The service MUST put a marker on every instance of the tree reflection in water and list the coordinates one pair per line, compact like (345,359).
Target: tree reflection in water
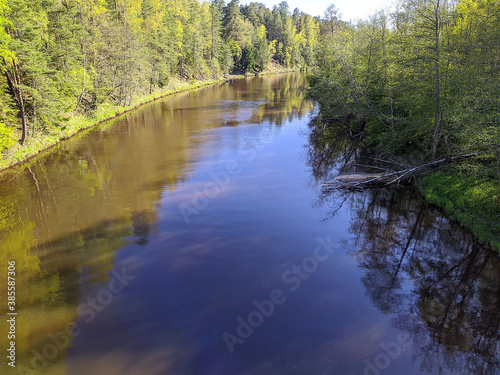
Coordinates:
(427,273)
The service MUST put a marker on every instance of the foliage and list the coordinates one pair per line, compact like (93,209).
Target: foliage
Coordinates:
(6,137)
(60,59)
(424,79)
(422,83)
(470,199)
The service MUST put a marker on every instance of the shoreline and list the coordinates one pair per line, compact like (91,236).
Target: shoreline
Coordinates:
(468,200)
(468,196)
(20,156)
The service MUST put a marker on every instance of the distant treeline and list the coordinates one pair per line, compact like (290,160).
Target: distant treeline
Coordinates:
(63,57)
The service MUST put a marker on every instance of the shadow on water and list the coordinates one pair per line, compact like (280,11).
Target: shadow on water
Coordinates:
(428,274)
(331,146)
(436,281)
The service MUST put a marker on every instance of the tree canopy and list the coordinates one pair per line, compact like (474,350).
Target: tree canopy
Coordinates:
(420,83)
(59,58)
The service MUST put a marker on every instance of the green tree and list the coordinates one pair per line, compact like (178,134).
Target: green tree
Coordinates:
(34,75)
(65,57)
(475,115)
(6,57)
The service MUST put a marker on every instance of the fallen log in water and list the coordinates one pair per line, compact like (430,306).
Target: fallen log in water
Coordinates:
(360,180)
(357,177)
(356,181)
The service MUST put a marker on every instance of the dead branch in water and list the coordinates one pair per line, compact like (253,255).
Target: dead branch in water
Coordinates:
(358,181)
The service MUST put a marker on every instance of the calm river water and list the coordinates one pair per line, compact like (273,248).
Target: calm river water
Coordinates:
(192,237)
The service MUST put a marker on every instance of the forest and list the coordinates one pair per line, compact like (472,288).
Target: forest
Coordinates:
(418,85)
(61,59)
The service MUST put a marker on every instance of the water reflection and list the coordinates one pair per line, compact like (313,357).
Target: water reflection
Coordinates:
(331,144)
(102,210)
(64,216)
(434,280)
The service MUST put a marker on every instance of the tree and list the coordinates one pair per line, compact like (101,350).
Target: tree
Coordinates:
(32,76)
(231,20)
(476,113)
(216,55)
(332,18)
(65,57)
(6,57)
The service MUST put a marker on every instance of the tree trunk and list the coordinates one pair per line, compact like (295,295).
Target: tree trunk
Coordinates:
(23,122)
(385,179)
(84,52)
(213,46)
(498,161)
(124,79)
(14,81)
(497,157)
(437,130)
(498,196)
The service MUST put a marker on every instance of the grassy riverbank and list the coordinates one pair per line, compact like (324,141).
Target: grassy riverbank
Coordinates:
(43,141)
(40,142)
(471,199)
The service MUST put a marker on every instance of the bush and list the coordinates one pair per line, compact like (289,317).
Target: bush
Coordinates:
(6,137)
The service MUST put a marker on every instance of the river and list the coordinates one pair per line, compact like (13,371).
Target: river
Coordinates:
(192,236)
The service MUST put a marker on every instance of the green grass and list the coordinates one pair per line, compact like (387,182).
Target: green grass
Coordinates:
(469,199)
(44,141)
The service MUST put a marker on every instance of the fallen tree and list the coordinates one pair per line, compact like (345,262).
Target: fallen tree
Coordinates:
(369,180)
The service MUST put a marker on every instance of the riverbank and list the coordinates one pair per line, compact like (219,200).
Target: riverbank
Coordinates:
(471,200)
(39,143)
(468,192)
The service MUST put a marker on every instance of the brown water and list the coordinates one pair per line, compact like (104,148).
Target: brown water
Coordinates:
(192,237)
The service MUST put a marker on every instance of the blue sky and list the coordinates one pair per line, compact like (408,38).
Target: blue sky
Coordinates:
(350,9)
